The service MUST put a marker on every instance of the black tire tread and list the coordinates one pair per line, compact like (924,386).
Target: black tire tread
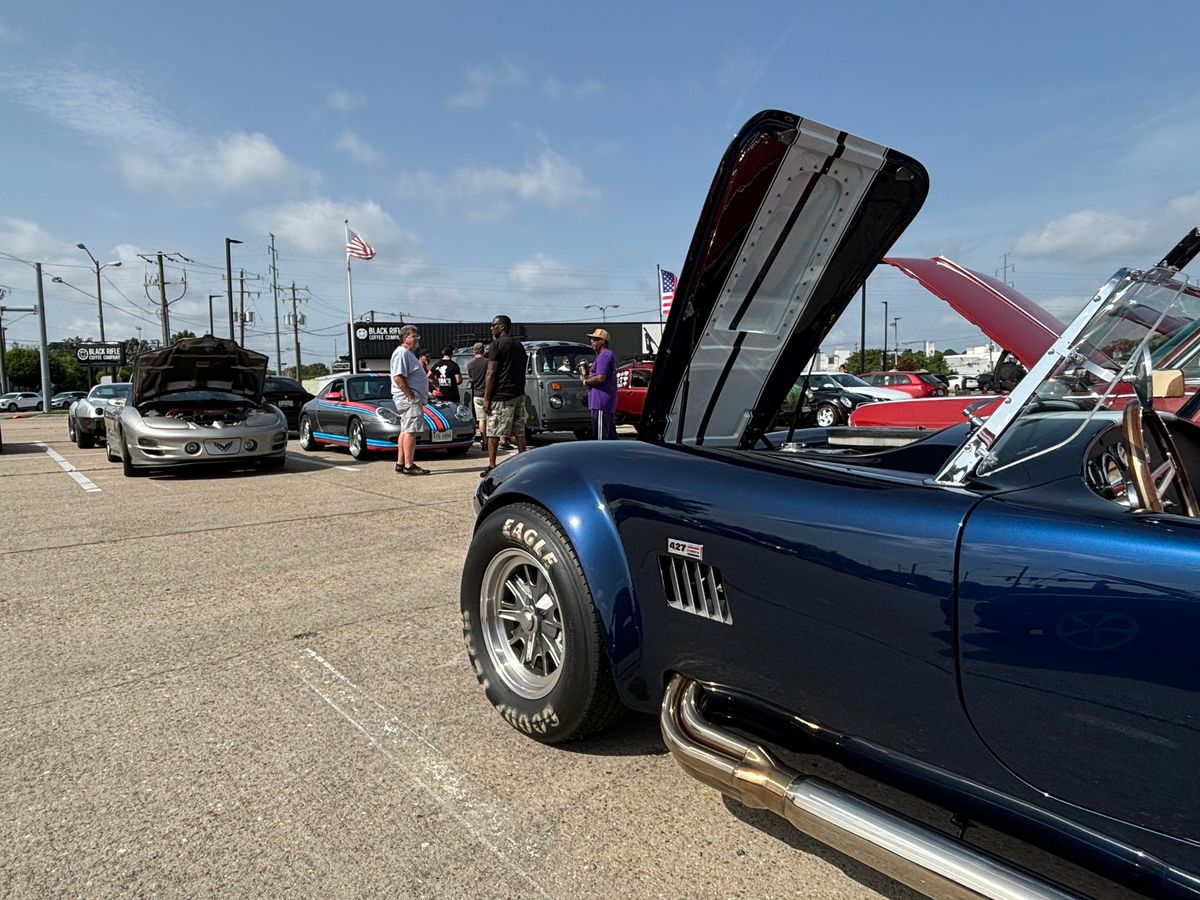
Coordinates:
(604,705)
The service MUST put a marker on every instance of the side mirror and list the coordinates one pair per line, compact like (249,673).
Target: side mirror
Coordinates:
(333,395)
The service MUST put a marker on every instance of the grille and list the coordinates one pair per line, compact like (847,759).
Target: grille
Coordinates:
(695,588)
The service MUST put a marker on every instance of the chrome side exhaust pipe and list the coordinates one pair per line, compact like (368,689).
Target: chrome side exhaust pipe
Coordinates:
(911,853)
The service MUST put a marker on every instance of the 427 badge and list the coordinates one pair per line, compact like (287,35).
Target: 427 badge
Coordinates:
(686,549)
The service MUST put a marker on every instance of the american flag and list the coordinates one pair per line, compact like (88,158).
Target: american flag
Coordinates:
(666,290)
(357,247)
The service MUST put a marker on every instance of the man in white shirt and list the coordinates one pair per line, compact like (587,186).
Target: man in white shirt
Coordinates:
(410,392)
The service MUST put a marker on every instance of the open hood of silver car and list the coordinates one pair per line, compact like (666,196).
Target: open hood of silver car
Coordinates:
(797,216)
(199,364)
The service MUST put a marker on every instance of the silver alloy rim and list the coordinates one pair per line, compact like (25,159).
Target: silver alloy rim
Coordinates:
(522,623)
(305,433)
(826,417)
(356,440)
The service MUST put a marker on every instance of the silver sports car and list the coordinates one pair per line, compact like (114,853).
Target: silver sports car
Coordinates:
(198,401)
(85,417)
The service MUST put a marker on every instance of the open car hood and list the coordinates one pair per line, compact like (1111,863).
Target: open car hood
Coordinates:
(198,364)
(797,216)
(1000,311)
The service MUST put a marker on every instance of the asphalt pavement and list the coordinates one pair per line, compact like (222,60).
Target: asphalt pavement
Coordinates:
(254,685)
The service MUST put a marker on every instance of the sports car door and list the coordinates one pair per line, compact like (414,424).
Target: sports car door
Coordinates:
(1077,655)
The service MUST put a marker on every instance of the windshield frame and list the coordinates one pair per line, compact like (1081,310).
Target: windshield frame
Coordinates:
(1081,347)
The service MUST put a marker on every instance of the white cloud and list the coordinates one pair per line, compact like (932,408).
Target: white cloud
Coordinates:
(1089,235)
(484,81)
(237,162)
(345,101)
(152,150)
(317,227)
(541,274)
(6,33)
(358,149)
(488,194)
(556,89)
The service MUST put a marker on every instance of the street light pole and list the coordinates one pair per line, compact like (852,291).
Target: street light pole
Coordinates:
(896,337)
(211,325)
(604,308)
(229,280)
(885,324)
(99,300)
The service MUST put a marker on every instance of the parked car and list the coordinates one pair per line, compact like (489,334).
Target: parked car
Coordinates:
(198,401)
(356,412)
(289,395)
(85,417)
(842,594)
(858,385)
(633,380)
(823,401)
(912,384)
(20,400)
(65,399)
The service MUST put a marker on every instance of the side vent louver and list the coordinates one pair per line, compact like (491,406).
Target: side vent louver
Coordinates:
(695,588)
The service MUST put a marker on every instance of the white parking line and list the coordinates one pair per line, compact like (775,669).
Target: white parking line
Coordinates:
(341,467)
(421,761)
(84,482)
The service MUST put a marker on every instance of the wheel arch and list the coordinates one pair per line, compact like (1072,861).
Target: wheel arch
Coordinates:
(573,502)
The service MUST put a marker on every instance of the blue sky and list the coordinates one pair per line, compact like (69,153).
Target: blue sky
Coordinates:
(534,158)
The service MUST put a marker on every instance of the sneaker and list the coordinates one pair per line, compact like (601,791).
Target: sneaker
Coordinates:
(414,469)
(507,445)
(484,473)
(399,469)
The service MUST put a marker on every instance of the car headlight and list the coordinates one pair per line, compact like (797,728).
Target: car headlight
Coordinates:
(388,416)
(556,401)
(465,412)
(845,401)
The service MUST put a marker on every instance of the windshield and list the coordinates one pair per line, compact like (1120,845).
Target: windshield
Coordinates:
(366,389)
(565,360)
(110,391)
(845,379)
(1138,324)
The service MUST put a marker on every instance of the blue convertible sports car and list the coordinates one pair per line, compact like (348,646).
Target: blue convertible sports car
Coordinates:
(986,635)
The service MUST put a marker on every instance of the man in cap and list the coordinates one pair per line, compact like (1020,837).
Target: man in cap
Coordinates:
(476,374)
(601,381)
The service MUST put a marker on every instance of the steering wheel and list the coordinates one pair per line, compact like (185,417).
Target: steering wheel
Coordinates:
(1153,483)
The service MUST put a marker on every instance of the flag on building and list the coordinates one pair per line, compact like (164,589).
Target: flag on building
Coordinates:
(666,290)
(357,247)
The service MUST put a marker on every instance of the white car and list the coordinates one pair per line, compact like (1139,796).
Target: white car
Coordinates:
(857,385)
(16,400)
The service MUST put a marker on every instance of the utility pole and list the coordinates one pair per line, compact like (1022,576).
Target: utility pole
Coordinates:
(275,295)
(3,348)
(896,337)
(45,344)
(885,324)
(162,291)
(1002,272)
(862,330)
(296,330)
(242,307)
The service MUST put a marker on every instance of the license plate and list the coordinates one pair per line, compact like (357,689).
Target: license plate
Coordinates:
(223,448)
(283,403)
(441,437)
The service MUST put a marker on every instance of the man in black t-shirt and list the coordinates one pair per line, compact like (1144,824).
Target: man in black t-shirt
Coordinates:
(476,374)
(446,374)
(504,390)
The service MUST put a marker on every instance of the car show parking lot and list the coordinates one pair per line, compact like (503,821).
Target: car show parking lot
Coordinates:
(254,683)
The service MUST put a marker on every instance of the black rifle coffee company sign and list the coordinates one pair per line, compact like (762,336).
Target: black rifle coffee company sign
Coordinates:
(375,340)
(95,353)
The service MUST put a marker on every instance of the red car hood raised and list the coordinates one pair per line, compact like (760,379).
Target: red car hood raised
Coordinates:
(1001,312)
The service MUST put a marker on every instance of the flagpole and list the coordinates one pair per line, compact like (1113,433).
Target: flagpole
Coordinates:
(350,303)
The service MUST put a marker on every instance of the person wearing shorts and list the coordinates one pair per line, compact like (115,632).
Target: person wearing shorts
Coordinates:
(504,390)
(410,392)
(476,374)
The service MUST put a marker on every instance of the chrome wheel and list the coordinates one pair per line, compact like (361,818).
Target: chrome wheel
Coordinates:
(827,416)
(358,443)
(306,434)
(522,623)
